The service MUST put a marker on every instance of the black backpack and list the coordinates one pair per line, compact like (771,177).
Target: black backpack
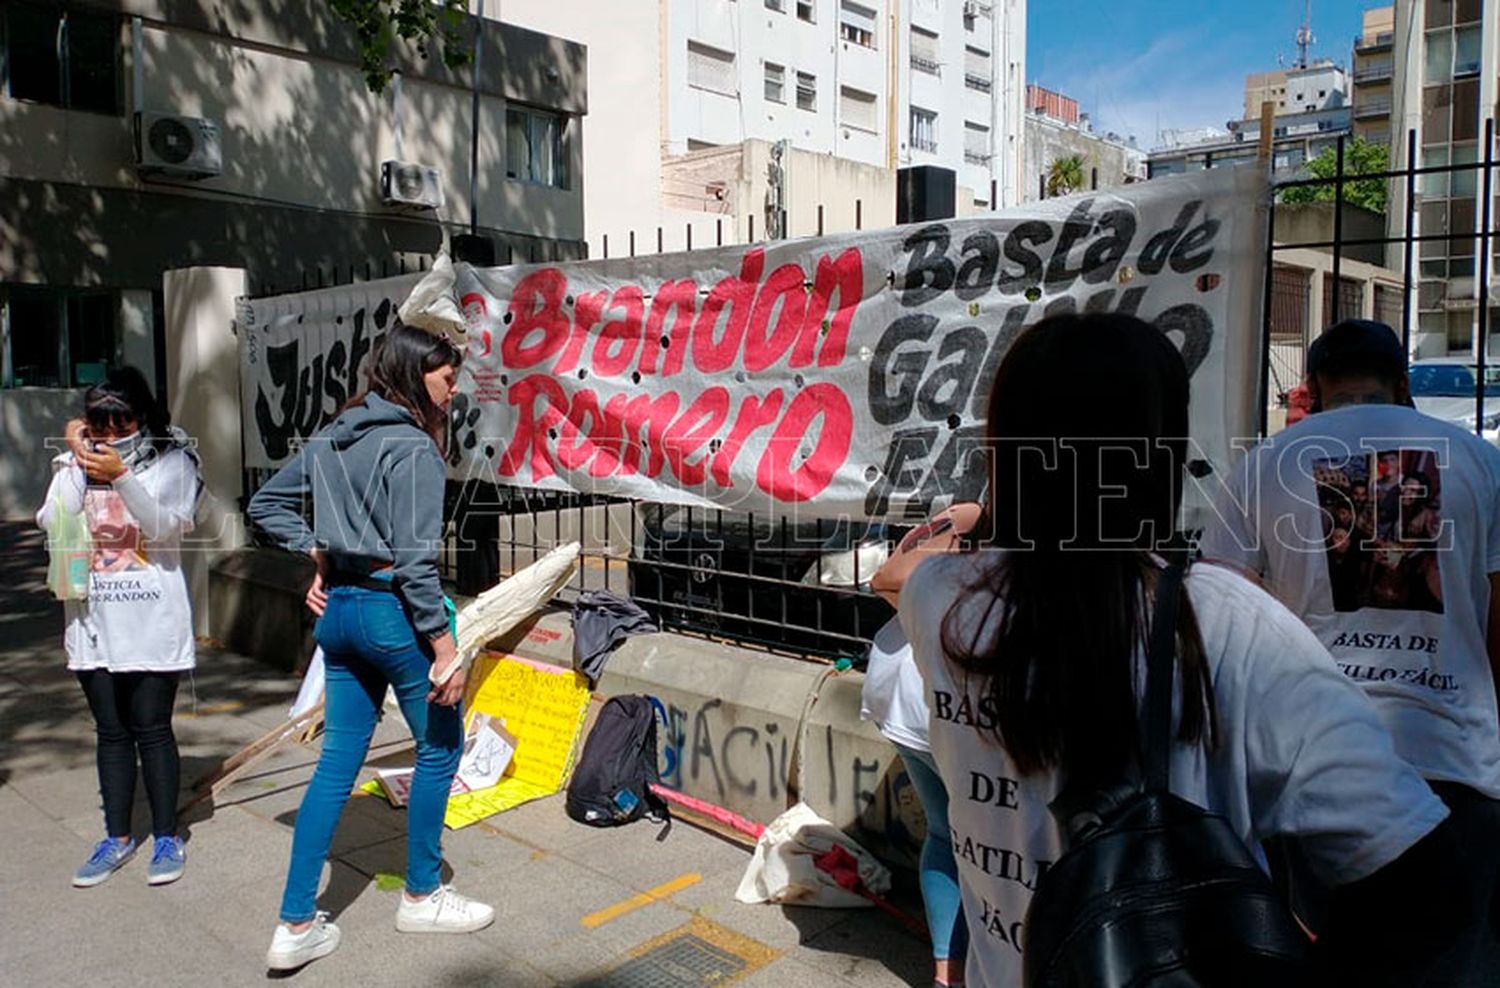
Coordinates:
(611,782)
(1153,890)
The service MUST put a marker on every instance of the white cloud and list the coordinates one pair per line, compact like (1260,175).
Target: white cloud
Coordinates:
(1182,79)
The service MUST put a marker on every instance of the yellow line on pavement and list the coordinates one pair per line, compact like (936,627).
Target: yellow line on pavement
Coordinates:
(647,897)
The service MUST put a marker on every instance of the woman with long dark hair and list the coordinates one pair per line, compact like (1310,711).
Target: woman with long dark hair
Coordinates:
(1031,646)
(134,480)
(375,481)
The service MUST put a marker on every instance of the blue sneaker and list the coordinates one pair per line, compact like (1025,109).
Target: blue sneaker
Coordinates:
(109,857)
(168,858)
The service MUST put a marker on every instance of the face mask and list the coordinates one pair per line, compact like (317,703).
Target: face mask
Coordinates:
(127,446)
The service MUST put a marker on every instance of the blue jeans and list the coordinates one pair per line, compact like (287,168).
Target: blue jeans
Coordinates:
(368,642)
(939,878)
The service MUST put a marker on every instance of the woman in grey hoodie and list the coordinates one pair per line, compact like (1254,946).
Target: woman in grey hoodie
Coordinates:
(375,480)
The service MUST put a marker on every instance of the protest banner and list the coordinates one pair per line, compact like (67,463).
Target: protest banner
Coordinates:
(841,376)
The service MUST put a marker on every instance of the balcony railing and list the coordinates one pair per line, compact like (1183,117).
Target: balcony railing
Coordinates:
(1379,42)
(1374,73)
(1366,109)
(928,144)
(978,83)
(976,157)
(926,65)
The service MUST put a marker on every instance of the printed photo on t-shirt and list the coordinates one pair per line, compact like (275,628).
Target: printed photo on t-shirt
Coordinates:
(1382,527)
(118,545)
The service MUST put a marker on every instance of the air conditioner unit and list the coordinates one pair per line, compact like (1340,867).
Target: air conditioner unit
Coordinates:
(168,145)
(403,183)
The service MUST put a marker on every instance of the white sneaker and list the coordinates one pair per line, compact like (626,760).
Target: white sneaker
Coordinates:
(292,950)
(444,911)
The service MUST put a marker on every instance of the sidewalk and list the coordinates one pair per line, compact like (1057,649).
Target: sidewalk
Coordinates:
(577,906)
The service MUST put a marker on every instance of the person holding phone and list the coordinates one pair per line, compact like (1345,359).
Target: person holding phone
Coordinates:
(135,480)
(375,479)
(892,698)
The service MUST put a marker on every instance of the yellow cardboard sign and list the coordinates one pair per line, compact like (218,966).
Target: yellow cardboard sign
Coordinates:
(544,708)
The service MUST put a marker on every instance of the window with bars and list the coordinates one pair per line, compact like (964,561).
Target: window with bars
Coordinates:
(536,147)
(775,83)
(857,23)
(924,51)
(807,91)
(858,109)
(1350,303)
(58,337)
(923,129)
(711,69)
(63,57)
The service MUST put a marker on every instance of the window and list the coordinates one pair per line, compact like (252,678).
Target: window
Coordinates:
(1438,58)
(978,73)
(923,129)
(807,91)
(1466,51)
(777,5)
(806,11)
(976,143)
(775,83)
(711,69)
(67,58)
(857,109)
(58,338)
(535,147)
(857,23)
(924,51)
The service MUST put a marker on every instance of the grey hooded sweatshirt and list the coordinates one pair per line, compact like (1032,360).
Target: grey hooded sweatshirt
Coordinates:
(376,483)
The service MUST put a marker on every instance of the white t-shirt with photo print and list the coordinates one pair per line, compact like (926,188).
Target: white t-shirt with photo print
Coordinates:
(1300,752)
(1379,527)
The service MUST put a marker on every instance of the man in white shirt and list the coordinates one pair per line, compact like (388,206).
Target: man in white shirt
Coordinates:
(1380,527)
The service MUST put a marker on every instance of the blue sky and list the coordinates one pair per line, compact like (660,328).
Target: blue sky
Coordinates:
(1136,65)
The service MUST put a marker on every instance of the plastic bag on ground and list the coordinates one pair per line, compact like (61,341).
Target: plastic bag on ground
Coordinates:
(784,870)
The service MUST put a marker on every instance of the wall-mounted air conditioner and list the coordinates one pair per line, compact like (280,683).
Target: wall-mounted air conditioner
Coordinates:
(168,145)
(414,186)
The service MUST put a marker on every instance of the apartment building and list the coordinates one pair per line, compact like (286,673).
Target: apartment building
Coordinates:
(926,82)
(1374,66)
(1056,129)
(1445,69)
(1312,112)
(138,136)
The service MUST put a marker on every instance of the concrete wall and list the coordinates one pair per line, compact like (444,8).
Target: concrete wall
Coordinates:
(203,381)
(852,195)
(1047,140)
(728,716)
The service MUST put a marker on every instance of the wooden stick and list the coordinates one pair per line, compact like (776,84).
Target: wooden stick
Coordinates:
(257,750)
(1267,129)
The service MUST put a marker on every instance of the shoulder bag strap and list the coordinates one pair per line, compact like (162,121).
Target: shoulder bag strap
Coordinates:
(1160,666)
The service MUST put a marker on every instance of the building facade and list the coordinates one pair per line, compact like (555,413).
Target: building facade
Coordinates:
(927,82)
(1374,66)
(1312,113)
(140,136)
(1445,69)
(1055,129)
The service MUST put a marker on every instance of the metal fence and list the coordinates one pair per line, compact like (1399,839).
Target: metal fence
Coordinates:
(1438,237)
(802,587)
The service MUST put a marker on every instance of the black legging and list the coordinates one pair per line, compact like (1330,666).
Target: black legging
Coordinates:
(133,713)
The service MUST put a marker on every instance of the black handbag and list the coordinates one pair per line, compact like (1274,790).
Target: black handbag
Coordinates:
(1153,890)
